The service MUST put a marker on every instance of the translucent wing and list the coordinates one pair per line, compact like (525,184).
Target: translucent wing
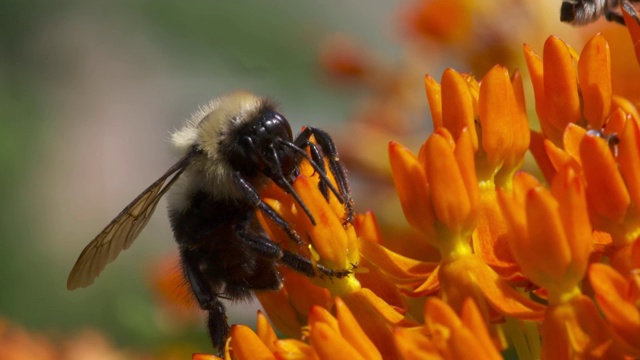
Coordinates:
(121,231)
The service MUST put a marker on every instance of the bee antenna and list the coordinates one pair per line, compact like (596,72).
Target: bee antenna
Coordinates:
(290,188)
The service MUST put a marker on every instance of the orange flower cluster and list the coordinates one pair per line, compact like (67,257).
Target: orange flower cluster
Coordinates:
(550,270)
(502,261)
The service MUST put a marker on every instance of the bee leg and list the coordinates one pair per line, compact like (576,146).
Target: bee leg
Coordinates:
(251,194)
(626,5)
(329,150)
(208,300)
(265,247)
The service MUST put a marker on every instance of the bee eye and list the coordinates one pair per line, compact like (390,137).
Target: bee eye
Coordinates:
(277,125)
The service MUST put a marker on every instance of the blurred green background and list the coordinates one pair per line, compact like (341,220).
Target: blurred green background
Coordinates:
(89,92)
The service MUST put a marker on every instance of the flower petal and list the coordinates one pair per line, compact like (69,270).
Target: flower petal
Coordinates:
(411,183)
(353,333)
(560,84)
(629,158)
(544,109)
(434,96)
(594,76)
(497,109)
(451,202)
(329,344)
(612,294)
(606,190)
(265,332)
(457,105)
(247,345)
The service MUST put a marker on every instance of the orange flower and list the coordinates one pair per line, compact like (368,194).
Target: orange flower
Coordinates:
(329,337)
(558,86)
(446,335)
(549,232)
(500,140)
(618,299)
(612,188)
(439,194)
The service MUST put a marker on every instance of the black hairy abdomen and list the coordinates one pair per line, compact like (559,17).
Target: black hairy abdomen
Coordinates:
(221,264)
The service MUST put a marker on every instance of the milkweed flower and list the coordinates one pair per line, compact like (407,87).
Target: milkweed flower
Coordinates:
(494,112)
(496,231)
(327,337)
(447,335)
(440,197)
(550,234)
(618,297)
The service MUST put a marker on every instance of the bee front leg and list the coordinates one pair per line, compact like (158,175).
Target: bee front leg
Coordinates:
(208,300)
(329,149)
(251,195)
(263,246)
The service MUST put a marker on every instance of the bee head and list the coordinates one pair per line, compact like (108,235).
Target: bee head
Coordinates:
(258,148)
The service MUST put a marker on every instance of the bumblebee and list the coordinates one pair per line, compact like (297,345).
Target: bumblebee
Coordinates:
(231,148)
(583,12)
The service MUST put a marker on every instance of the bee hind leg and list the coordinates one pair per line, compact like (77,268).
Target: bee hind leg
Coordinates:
(208,300)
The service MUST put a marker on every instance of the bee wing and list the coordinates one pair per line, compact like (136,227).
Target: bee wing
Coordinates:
(121,231)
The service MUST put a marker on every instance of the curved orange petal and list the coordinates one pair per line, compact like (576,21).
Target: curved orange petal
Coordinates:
(497,109)
(606,190)
(382,285)
(520,125)
(629,158)
(490,240)
(353,333)
(572,138)
(329,344)
(457,105)
(281,313)
(548,253)
(594,76)
(537,149)
(560,84)
(376,317)
(247,345)
(412,187)
(612,294)
(575,330)
(265,332)
(319,314)
(294,350)
(428,286)
(544,109)
(367,228)
(401,268)
(434,96)
(329,237)
(474,322)
(466,163)
(557,157)
(568,190)
(469,276)
(414,345)
(302,293)
(450,197)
